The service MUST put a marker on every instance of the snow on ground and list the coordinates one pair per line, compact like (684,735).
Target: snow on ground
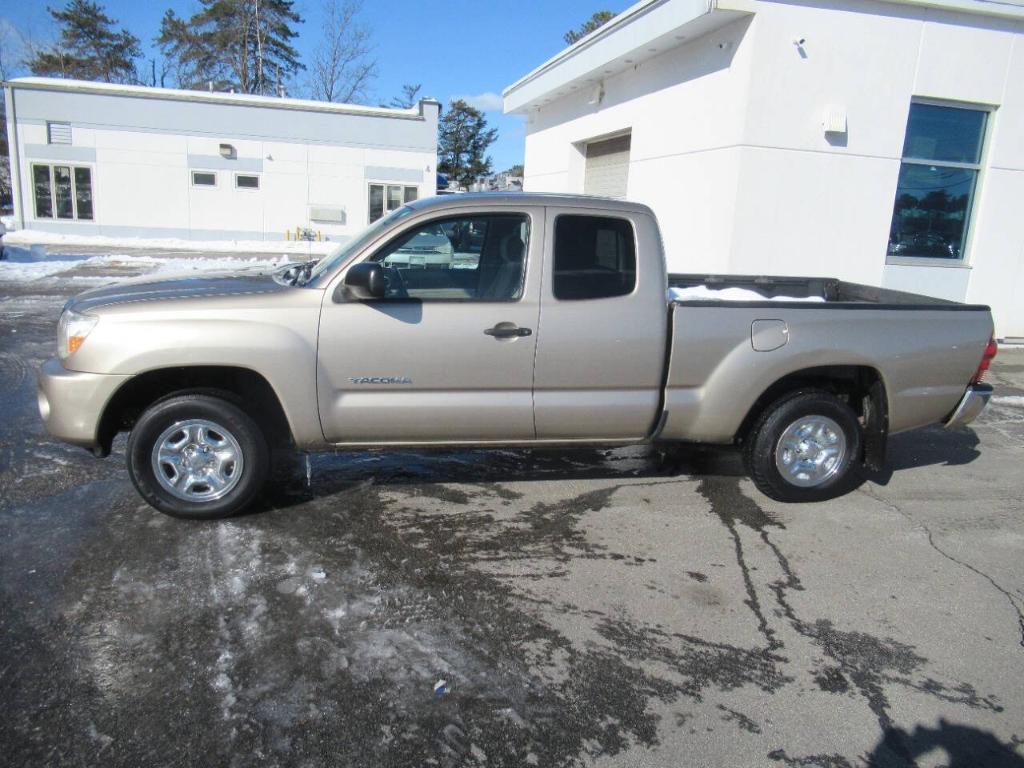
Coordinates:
(29,237)
(703,293)
(30,264)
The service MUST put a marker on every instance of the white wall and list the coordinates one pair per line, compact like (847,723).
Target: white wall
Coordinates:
(141,174)
(729,148)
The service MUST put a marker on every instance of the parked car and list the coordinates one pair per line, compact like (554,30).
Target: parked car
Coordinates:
(561,333)
(425,249)
(926,244)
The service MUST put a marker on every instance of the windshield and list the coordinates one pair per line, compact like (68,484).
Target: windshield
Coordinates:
(343,251)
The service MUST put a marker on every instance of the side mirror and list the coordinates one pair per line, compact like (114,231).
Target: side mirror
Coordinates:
(366,280)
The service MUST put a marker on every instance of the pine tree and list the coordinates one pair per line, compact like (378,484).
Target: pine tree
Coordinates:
(89,48)
(599,19)
(463,138)
(244,45)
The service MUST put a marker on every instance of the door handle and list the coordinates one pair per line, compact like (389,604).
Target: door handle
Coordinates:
(508,331)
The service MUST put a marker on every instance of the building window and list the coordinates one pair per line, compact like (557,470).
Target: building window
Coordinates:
(62,192)
(204,179)
(595,258)
(385,198)
(58,133)
(247,181)
(938,182)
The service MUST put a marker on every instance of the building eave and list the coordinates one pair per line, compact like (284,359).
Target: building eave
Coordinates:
(211,97)
(649,27)
(642,30)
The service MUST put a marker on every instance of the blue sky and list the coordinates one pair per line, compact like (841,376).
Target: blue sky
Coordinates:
(458,48)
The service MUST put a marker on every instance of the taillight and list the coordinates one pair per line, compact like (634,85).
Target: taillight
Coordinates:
(986,361)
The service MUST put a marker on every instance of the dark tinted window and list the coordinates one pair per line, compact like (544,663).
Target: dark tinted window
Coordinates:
(595,257)
(83,192)
(44,197)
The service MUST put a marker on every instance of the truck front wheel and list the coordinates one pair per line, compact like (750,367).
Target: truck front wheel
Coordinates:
(804,447)
(198,456)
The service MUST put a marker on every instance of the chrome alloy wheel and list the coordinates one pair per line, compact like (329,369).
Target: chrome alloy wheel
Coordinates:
(197,460)
(811,451)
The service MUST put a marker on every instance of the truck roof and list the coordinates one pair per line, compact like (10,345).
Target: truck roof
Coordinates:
(514,199)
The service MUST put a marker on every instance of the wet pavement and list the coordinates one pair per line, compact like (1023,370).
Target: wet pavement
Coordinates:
(612,608)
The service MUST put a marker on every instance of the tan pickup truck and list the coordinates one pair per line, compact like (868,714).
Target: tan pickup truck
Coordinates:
(503,320)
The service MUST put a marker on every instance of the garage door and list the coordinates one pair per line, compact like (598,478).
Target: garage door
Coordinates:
(607,167)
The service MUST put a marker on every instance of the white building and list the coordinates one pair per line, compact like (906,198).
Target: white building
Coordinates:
(880,142)
(94,158)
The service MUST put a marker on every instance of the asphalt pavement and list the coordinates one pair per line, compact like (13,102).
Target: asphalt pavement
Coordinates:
(624,607)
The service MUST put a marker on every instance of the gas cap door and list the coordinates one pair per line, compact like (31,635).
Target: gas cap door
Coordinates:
(767,335)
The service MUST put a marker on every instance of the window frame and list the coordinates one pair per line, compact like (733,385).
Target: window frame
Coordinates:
(256,176)
(594,215)
(192,177)
(50,166)
(385,185)
(372,256)
(966,246)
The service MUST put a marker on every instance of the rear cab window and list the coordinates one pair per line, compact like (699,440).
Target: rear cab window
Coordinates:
(595,257)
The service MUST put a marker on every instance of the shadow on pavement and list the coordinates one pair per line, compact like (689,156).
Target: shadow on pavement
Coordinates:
(927,447)
(300,478)
(964,745)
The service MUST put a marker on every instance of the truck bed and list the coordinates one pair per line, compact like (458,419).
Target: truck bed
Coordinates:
(725,354)
(834,292)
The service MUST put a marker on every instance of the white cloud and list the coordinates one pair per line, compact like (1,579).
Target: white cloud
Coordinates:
(485,102)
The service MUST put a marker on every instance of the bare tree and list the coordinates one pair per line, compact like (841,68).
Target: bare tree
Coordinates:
(343,67)
(14,49)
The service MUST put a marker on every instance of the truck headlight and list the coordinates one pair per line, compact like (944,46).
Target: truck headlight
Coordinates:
(72,331)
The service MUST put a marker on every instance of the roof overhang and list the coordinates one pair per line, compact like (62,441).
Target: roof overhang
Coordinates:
(640,32)
(210,97)
(1007,9)
(650,27)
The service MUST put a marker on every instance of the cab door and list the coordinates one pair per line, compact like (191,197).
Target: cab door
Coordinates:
(604,326)
(447,355)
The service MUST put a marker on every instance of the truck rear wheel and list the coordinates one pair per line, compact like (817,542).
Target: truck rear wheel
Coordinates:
(805,447)
(197,456)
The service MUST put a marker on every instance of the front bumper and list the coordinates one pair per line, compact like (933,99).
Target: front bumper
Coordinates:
(971,404)
(71,403)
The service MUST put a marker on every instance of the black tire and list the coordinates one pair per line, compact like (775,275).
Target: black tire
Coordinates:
(231,419)
(760,448)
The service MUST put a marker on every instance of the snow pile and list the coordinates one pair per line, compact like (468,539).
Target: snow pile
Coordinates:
(29,237)
(27,265)
(703,293)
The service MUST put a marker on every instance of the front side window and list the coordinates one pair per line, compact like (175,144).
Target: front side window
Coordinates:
(468,258)
(938,182)
(247,181)
(62,192)
(204,179)
(595,258)
(385,198)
